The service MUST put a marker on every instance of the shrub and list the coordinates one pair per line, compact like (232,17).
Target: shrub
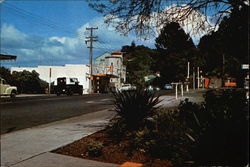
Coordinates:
(168,139)
(94,148)
(220,128)
(133,107)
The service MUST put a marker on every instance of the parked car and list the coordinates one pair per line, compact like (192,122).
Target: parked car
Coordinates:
(151,88)
(127,87)
(6,89)
(168,86)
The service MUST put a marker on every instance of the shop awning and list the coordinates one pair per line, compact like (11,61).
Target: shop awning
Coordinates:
(7,57)
(106,75)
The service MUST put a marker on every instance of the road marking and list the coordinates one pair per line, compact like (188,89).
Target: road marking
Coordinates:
(105,99)
(90,102)
(98,101)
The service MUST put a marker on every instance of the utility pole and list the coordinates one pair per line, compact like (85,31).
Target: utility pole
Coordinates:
(187,80)
(193,77)
(198,77)
(91,39)
(49,91)
(223,69)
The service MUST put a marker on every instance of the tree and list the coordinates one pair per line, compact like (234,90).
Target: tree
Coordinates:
(5,74)
(138,63)
(29,82)
(230,41)
(175,48)
(144,15)
(174,39)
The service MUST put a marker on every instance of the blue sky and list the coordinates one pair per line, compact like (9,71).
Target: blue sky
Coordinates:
(53,32)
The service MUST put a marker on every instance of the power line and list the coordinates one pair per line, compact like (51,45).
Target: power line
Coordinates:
(38,19)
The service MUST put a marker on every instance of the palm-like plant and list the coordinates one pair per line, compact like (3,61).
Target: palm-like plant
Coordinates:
(133,107)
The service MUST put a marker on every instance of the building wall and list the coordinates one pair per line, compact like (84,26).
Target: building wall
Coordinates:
(99,65)
(111,63)
(69,70)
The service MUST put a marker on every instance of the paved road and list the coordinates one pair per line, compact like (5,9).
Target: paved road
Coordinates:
(25,112)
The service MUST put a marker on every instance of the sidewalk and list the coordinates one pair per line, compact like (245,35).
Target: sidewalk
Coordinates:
(33,142)
(31,147)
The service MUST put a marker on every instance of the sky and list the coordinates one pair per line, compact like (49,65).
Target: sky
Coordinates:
(54,33)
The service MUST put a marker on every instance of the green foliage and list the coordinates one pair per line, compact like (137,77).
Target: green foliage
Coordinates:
(26,82)
(5,74)
(133,107)
(117,128)
(29,82)
(138,61)
(94,148)
(174,39)
(166,138)
(175,49)
(231,40)
(220,128)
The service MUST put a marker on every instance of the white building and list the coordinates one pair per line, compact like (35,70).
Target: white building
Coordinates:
(111,64)
(79,71)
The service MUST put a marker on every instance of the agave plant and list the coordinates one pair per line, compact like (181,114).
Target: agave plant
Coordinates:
(133,107)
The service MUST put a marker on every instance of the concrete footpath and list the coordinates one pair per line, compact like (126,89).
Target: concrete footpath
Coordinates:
(20,148)
(31,147)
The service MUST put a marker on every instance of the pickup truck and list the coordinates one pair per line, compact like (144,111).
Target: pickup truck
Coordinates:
(6,89)
(68,86)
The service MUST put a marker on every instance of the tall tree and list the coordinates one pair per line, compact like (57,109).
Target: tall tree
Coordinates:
(173,39)
(230,44)
(176,49)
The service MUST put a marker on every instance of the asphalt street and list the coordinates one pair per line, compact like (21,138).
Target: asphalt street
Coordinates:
(26,112)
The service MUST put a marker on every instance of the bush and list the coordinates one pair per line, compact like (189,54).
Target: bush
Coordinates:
(220,128)
(133,107)
(94,148)
(168,139)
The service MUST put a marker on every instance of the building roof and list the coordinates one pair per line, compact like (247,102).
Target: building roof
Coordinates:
(117,53)
(7,57)
(112,57)
(106,75)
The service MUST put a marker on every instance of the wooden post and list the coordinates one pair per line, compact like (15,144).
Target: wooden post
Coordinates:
(182,90)
(176,91)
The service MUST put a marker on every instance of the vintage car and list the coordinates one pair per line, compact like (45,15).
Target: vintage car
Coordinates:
(6,89)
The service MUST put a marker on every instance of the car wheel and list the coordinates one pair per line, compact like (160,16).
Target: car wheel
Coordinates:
(13,94)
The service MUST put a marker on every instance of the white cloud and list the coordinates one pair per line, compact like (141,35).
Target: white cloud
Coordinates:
(37,50)
(33,50)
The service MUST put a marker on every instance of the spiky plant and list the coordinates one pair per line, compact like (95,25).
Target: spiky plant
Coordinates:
(133,107)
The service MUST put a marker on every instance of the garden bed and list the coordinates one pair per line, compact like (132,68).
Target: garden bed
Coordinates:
(114,150)
(191,135)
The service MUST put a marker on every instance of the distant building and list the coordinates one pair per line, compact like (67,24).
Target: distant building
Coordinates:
(111,65)
(79,71)
(108,68)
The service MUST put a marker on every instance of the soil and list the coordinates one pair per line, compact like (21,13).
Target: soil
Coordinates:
(114,150)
